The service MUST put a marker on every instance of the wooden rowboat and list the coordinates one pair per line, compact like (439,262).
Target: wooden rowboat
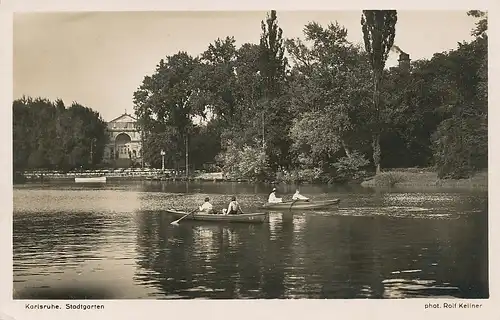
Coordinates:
(198,216)
(301,205)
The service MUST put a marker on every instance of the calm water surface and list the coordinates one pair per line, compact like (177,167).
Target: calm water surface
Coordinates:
(115,241)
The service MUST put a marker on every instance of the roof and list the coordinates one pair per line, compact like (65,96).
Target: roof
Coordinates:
(124,118)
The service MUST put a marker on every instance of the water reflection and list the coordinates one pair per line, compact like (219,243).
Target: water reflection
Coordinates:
(118,243)
(213,261)
(57,237)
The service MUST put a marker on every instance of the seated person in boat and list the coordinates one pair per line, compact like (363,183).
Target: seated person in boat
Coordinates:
(297,196)
(207,207)
(272,197)
(234,207)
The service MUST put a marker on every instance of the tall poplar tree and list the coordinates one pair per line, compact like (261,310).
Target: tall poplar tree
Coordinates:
(275,115)
(379,30)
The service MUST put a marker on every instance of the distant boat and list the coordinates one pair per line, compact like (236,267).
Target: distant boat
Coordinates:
(90,179)
(301,205)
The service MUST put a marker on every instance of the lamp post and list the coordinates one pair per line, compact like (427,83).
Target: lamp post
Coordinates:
(92,142)
(162,160)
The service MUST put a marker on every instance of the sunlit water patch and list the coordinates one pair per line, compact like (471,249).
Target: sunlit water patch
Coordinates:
(401,288)
(390,212)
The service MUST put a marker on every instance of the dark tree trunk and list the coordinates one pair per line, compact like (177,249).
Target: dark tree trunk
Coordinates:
(377,152)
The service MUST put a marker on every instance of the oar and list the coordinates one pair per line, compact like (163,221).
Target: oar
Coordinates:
(290,209)
(176,222)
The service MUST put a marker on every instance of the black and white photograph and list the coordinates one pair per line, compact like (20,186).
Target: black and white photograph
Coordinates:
(272,154)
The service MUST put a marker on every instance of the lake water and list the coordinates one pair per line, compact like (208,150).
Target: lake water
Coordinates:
(115,241)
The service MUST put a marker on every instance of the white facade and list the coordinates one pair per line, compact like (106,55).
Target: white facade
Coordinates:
(124,144)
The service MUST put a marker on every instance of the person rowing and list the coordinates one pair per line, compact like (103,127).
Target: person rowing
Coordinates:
(206,207)
(234,207)
(272,197)
(297,196)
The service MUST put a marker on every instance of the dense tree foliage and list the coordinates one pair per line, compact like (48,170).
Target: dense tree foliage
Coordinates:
(50,135)
(163,107)
(330,93)
(460,142)
(329,111)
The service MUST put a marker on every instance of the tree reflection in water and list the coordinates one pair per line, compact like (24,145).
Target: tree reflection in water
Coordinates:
(299,255)
(210,260)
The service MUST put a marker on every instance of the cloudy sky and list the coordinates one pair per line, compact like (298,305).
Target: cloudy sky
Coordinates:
(99,59)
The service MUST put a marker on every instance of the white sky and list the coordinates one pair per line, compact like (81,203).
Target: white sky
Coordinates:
(99,59)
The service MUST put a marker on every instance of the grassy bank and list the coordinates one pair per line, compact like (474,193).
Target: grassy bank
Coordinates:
(424,178)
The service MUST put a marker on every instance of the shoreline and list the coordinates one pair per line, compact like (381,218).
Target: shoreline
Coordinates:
(117,175)
(401,178)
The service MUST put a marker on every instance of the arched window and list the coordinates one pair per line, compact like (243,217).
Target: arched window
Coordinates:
(122,139)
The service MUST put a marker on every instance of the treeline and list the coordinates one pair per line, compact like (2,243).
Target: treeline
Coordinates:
(50,135)
(304,109)
(437,115)
(318,108)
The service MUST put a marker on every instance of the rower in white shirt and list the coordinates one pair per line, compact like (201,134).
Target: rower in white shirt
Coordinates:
(272,197)
(298,196)
(206,207)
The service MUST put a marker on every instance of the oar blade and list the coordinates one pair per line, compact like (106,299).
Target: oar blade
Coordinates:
(176,222)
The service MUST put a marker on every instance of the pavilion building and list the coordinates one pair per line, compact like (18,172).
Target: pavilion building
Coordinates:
(124,147)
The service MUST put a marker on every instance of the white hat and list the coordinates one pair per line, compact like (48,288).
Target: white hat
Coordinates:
(274,189)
